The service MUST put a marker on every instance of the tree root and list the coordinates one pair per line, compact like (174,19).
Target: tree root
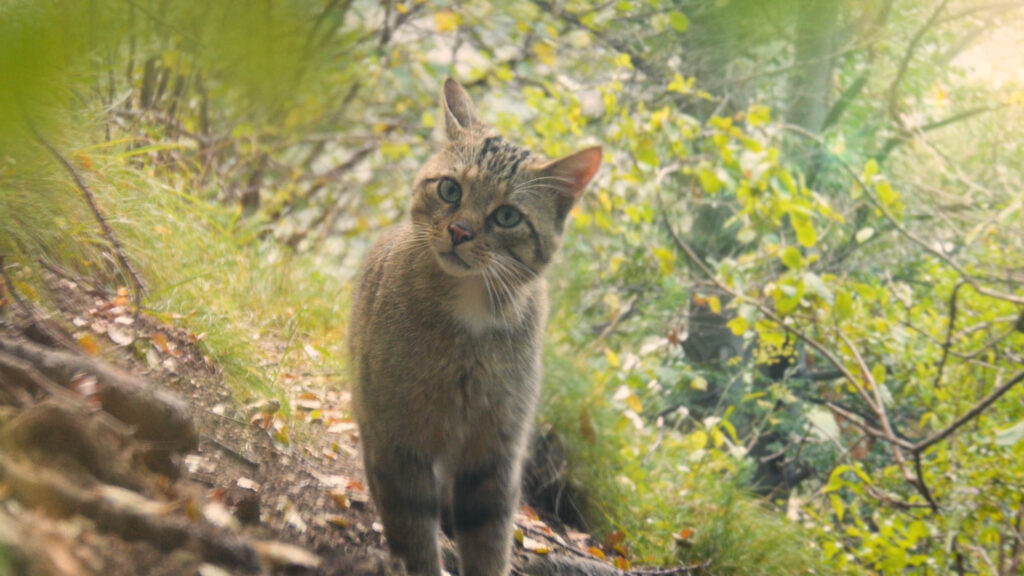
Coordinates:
(158,417)
(125,514)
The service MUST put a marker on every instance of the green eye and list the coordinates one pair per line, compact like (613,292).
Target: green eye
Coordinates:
(507,216)
(449,190)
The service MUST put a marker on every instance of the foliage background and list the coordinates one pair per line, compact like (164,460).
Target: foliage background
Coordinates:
(797,275)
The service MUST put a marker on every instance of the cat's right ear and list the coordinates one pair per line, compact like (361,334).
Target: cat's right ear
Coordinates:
(459,113)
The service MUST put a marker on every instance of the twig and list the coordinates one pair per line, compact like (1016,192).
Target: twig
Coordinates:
(967,416)
(894,92)
(949,334)
(140,288)
(903,229)
(10,288)
(924,487)
(231,452)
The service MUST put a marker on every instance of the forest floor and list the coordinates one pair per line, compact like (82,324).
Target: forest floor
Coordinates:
(250,490)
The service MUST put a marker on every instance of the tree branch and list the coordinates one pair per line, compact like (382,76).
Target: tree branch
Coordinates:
(894,87)
(108,232)
(969,415)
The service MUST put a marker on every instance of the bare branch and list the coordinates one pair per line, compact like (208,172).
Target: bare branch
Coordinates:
(969,415)
(949,333)
(108,232)
(907,233)
(894,87)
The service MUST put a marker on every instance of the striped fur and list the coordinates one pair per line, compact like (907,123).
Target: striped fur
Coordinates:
(445,340)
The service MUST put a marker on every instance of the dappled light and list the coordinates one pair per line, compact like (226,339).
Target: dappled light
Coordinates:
(783,250)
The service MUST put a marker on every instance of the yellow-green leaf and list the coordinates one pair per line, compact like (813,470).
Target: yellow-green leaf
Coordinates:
(759,115)
(633,401)
(738,325)
(679,21)
(446,20)
(792,259)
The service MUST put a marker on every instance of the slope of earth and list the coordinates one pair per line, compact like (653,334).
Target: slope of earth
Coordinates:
(224,487)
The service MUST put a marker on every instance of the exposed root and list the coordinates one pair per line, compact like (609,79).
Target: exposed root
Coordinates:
(126,514)
(158,417)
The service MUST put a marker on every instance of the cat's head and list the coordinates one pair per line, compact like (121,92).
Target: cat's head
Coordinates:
(485,206)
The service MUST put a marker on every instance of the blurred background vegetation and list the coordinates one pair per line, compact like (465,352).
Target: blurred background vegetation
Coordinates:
(788,324)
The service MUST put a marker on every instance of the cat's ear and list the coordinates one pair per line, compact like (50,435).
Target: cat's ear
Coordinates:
(459,113)
(571,175)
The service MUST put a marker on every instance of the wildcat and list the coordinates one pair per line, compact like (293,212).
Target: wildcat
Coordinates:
(445,339)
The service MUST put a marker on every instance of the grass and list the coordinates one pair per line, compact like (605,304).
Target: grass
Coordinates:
(651,498)
(205,266)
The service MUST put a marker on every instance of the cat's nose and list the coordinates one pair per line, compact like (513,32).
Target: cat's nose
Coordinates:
(459,233)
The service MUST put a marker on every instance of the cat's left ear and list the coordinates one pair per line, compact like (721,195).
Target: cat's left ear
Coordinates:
(459,112)
(571,175)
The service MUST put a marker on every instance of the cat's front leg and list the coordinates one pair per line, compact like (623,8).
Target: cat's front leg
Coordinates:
(406,493)
(485,500)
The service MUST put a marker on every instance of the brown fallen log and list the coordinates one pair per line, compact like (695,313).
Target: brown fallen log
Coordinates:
(158,416)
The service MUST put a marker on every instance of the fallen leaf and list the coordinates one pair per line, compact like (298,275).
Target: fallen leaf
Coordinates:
(281,555)
(85,385)
(120,336)
(529,512)
(122,298)
(293,519)
(340,498)
(614,538)
(336,520)
(535,546)
(89,344)
(248,484)
(218,514)
(308,404)
(342,427)
(160,340)
(596,552)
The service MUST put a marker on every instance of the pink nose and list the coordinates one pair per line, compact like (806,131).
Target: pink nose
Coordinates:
(459,233)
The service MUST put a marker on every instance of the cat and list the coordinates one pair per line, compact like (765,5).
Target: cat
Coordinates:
(445,338)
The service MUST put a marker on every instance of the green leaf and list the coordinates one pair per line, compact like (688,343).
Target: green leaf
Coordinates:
(886,195)
(844,305)
(804,229)
(709,181)
(679,21)
(1010,436)
(792,259)
(837,505)
(647,154)
(666,258)
(738,325)
(870,169)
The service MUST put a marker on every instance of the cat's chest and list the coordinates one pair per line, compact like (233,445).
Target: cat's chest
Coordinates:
(473,309)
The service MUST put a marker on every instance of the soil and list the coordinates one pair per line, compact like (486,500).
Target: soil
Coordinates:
(288,487)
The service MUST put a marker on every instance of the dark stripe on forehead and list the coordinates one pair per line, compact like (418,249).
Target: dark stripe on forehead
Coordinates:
(490,145)
(515,165)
